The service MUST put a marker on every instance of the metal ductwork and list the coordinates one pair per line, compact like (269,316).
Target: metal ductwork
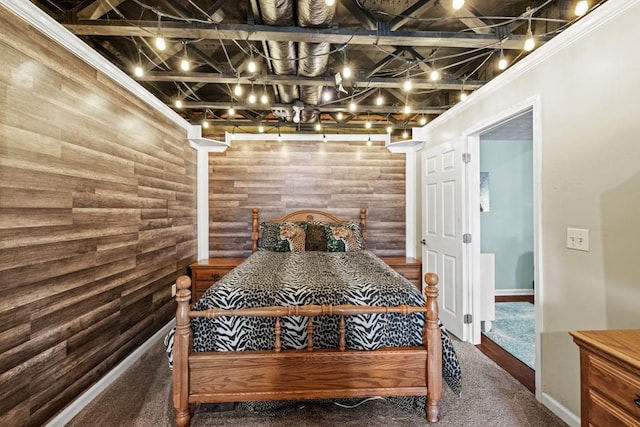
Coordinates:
(283,54)
(314,57)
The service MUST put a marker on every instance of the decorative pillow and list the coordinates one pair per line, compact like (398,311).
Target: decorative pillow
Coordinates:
(316,238)
(349,232)
(270,239)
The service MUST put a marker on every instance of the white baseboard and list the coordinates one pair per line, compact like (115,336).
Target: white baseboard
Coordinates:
(74,408)
(510,292)
(561,411)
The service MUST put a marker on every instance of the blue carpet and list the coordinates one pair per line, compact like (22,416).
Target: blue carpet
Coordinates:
(514,330)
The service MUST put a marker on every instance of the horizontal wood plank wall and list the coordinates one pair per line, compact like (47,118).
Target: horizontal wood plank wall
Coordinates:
(340,177)
(97,219)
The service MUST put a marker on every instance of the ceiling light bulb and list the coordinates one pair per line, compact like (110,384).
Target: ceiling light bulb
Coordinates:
(264,98)
(318,126)
(252,66)
(423,120)
(502,63)
(184,64)
(389,129)
(457,4)
(252,98)
(379,100)
(296,115)
(405,134)
(435,75)
(326,95)
(339,116)
(407,85)
(367,124)
(237,90)
(463,96)
(346,72)
(138,71)
(160,43)
(205,124)
(231,111)
(407,109)
(353,106)
(261,129)
(581,7)
(529,43)
(178,103)
(329,2)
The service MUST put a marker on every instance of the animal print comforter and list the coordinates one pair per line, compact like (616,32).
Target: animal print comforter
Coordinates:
(286,278)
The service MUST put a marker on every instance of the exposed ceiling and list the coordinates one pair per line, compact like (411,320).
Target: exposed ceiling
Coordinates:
(301,47)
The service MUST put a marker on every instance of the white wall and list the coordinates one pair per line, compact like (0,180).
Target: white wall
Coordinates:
(586,98)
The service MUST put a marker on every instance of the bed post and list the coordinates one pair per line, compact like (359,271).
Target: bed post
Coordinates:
(181,350)
(254,229)
(432,340)
(363,223)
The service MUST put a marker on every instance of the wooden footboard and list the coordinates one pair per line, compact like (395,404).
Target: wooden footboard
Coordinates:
(310,373)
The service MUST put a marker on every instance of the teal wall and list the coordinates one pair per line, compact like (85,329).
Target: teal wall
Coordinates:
(507,229)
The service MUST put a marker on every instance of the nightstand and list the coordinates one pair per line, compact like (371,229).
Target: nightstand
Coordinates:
(205,273)
(410,268)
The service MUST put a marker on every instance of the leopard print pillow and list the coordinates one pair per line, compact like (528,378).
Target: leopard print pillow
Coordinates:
(337,245)
(270,236)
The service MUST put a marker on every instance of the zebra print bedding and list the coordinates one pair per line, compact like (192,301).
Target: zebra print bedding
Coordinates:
(286,278)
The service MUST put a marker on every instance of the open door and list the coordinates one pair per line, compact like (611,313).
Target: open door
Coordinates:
(443,247)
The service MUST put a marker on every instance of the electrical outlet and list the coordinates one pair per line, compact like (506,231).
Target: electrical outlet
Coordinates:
(578,238)
(173,290)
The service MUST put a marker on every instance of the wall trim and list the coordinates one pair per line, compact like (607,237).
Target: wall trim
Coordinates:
(573,420)
(510,292)
(35,17)
(74,408)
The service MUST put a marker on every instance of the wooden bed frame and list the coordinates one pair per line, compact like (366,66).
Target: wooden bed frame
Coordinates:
(281,374)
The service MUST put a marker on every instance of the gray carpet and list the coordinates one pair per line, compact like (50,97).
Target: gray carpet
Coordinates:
(490,397)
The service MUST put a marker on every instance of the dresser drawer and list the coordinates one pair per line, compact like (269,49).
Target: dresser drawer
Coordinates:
(604,413)
(616,383)
(209,274)
(409,272)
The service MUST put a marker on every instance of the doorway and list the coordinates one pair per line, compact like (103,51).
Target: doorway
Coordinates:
(506,237)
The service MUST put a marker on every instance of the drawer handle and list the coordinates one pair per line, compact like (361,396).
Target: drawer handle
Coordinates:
(637,400)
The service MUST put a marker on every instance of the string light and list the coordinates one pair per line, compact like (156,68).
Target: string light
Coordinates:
(529,42)
(184,63)
(423,120)
(353,106)
(252,67)
(434,75)
(160,43)
(178,103)
(463,96)
(379,99)
(407,85)
(581,7)
(252,95)
(326,95)
(261,128)
(407,109)
(502,62)
(329,2)
(339,116)
(205,124)
(405,134)
(264,98)
(457,4)
(232,111)
(389,129)
(138,71)
(237,90)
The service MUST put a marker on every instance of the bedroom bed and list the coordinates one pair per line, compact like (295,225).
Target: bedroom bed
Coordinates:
(304,320)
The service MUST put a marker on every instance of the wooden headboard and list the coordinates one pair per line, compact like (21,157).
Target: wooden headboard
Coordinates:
(303,215)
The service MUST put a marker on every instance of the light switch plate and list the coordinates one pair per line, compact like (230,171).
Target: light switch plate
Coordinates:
(173,290)
(578,238)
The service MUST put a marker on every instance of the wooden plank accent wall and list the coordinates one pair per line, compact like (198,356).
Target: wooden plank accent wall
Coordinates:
(340,177)
(97,219)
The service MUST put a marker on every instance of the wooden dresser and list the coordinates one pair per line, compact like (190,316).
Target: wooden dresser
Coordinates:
(204,273)
(410,268)
(609,377)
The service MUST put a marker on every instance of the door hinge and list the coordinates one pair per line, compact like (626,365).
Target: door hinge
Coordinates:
(466,157)
(468,318)
(466,238)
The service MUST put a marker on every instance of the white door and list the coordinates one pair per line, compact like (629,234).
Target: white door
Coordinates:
(442,251)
